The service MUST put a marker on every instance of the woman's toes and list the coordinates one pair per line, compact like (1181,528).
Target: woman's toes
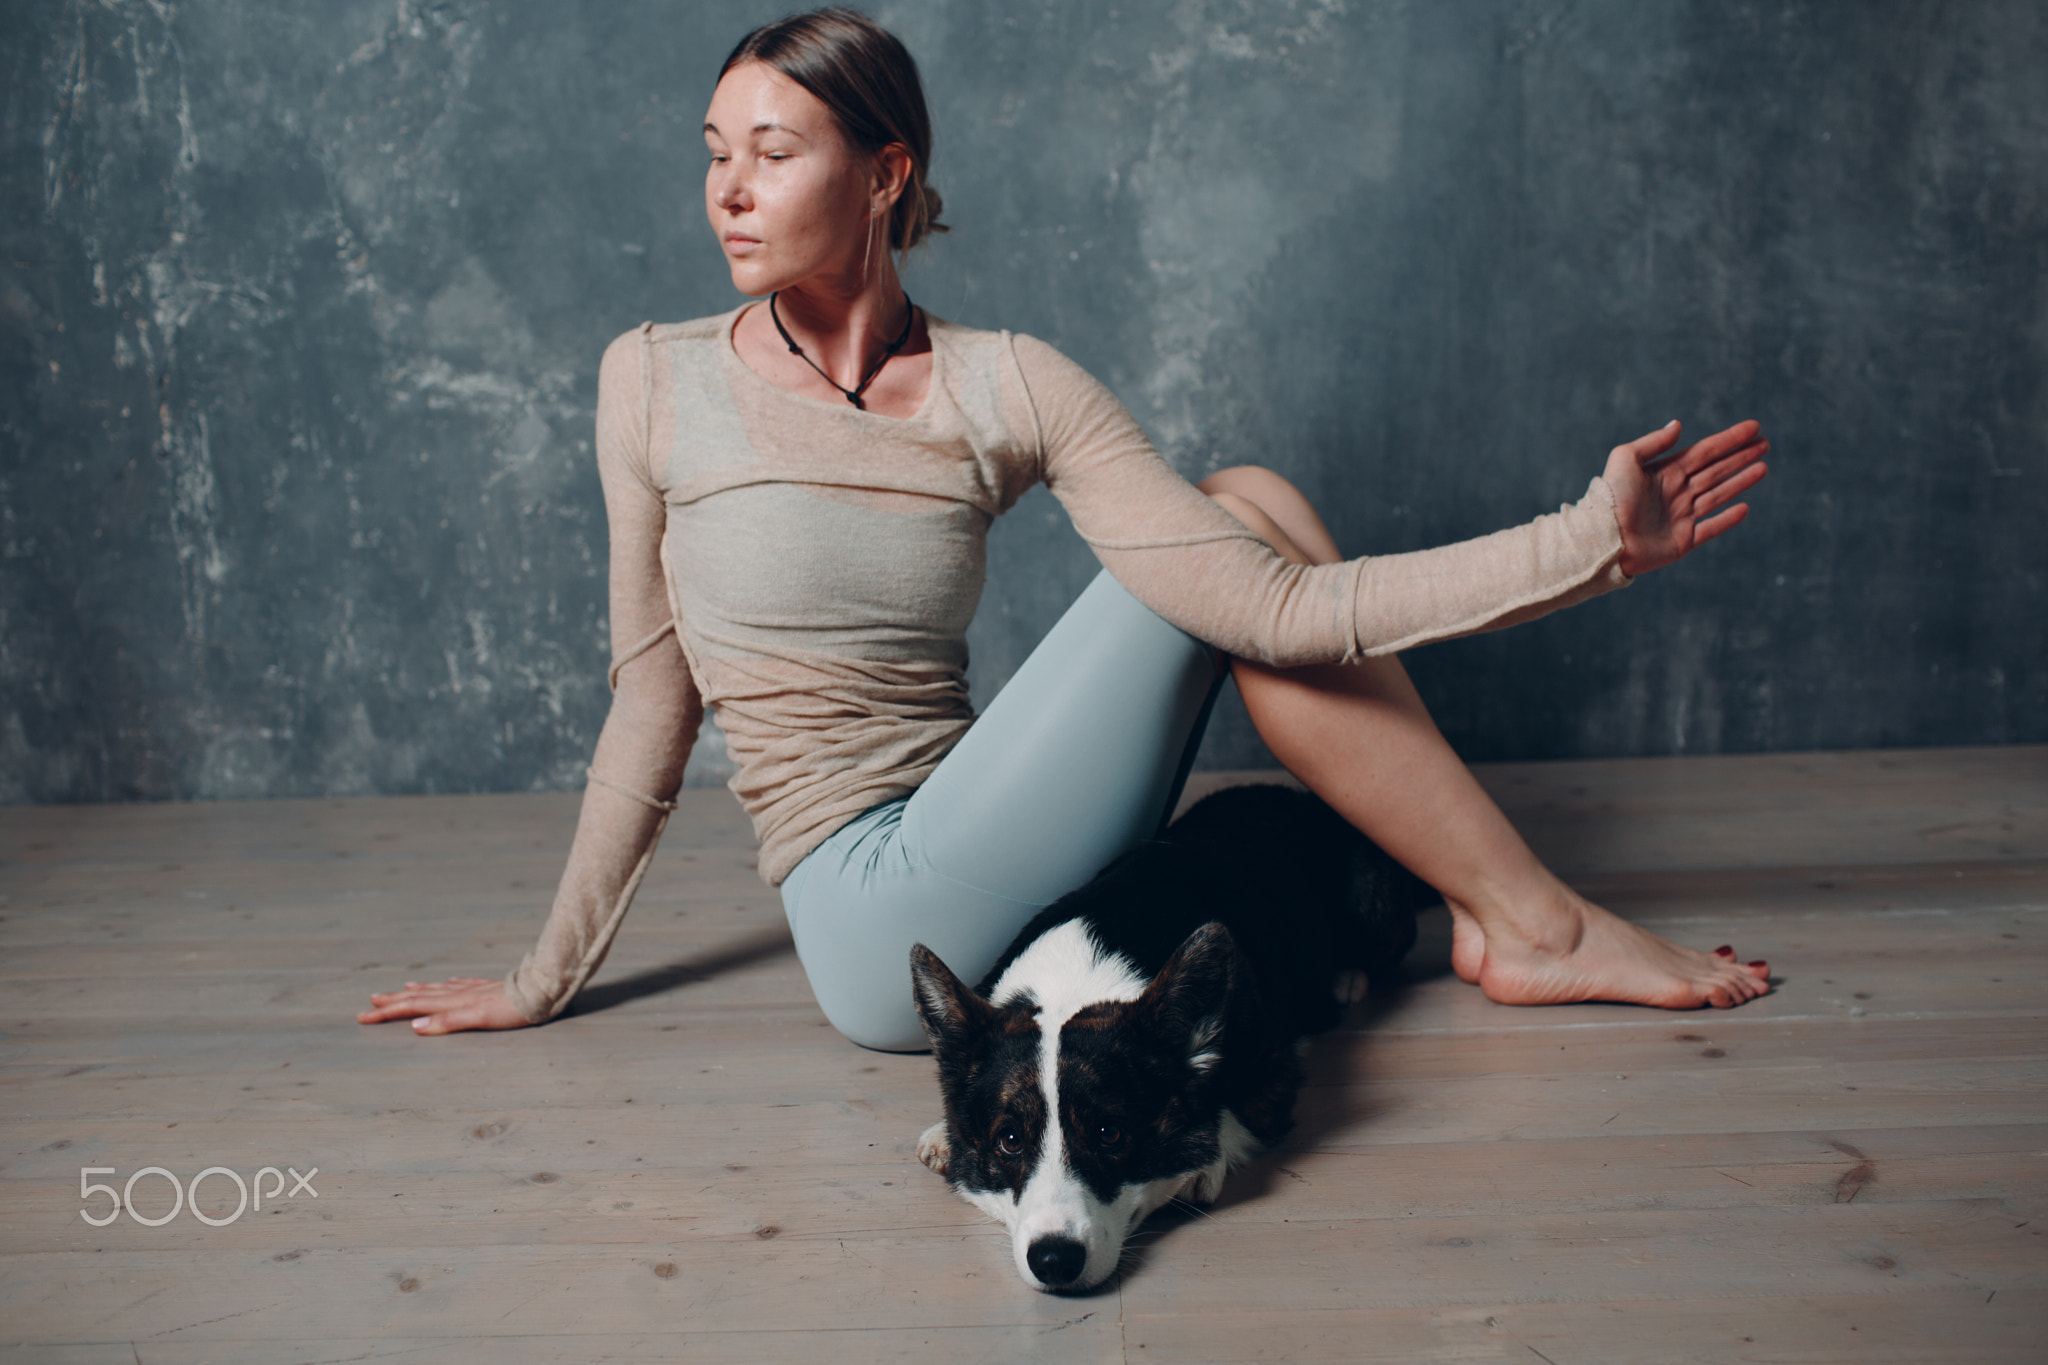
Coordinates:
(1725,950)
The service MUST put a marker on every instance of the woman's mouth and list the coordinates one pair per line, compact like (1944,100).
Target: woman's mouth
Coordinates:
(738,244)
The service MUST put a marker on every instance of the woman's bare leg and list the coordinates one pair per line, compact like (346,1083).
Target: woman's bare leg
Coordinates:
(1359,736)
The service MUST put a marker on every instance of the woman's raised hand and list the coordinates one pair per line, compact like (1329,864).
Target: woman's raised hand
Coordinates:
(1664,501)
(460,1002)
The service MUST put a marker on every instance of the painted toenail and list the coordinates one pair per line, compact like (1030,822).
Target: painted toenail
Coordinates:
(1759,963)
(1724,951)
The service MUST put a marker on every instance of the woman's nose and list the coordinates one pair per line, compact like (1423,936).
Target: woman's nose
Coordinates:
(728,189)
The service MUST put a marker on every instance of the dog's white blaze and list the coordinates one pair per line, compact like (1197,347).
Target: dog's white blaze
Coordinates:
(1066,970)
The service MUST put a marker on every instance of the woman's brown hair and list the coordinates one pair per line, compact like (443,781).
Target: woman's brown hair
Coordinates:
(868,79)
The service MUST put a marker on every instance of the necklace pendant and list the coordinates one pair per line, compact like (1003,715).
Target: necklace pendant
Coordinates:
(853,394)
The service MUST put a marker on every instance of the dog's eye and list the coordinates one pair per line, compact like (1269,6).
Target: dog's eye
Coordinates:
(1108,1135)
(1010,1142)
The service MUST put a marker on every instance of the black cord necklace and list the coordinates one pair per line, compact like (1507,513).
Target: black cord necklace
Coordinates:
(852,394)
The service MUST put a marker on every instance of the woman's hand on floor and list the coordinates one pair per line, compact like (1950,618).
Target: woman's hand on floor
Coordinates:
(1665,502)
(461,1002)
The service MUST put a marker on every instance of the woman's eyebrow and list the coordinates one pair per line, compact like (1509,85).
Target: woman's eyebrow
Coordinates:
(769,127)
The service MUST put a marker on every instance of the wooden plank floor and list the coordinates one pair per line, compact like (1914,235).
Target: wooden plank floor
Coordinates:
(693,1166)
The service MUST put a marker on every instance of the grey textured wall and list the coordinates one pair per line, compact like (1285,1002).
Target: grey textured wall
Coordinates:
(303,305)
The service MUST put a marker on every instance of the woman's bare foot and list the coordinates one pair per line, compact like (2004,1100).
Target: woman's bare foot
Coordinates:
(1582,952)
(460,1002)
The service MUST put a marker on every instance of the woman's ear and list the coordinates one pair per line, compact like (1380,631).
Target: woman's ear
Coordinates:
(892,176)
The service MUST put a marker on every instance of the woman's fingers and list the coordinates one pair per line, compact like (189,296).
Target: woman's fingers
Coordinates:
(1729,465)
(1728,489)
(397,1005)
(453,983)
(1704,531)
(412,994)
(446,1021)
(421,1000)
(1708,449)
(1648,447)
(461,1002)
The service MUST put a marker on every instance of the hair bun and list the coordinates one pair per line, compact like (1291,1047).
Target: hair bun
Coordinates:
(933,207)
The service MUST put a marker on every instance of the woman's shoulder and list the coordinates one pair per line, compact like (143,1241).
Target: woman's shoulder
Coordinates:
(962,340)
(704,329)
(1036,361)
(1052,379)
(960,334)
(1040,389)
(620,366)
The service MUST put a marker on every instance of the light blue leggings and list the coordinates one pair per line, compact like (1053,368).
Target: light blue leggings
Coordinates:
(1080,757)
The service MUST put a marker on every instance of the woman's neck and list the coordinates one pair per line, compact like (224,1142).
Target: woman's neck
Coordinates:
(844,333)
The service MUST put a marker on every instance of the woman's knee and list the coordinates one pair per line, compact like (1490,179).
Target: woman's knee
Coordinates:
(885,1021)
(860,985)
(1259,523)
(1279,506)
(1249,481)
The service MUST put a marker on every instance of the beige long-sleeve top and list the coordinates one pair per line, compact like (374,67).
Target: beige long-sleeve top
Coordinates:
(809,569)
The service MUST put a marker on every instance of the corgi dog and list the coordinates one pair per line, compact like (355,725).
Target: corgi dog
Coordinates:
(1142,1035)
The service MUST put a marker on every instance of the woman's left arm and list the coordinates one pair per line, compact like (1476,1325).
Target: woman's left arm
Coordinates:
(1184,556)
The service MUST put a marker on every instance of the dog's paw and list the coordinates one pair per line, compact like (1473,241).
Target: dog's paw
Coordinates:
(1352,986)
(933,1149)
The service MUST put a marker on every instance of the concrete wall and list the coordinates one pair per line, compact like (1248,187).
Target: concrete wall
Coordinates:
(303,305)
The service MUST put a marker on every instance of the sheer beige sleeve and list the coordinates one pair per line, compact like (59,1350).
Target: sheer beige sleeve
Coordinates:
(654,714)
(1182,555)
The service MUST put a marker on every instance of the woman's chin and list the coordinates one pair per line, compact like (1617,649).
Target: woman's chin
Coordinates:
(752,278)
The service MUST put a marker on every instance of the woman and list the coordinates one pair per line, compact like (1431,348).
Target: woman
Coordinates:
(798,493)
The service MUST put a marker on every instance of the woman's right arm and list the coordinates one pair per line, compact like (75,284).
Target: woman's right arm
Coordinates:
(641,752)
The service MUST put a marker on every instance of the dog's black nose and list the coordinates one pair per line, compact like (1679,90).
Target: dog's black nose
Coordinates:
(1056,1261)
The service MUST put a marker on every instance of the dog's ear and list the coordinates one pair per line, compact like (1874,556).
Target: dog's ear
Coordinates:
(948,1009)
(1186,1001)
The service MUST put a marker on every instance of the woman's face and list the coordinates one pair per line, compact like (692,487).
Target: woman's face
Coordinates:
(786,193)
